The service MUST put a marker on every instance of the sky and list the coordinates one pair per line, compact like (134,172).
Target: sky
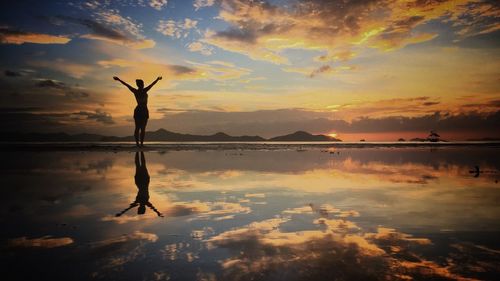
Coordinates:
(362,69)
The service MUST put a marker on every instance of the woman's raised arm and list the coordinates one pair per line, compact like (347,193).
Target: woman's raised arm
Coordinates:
(132,89)
(152,84)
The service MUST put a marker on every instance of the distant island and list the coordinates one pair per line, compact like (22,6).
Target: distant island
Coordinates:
(159,135)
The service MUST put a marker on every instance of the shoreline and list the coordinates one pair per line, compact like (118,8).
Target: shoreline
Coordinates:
(204,146)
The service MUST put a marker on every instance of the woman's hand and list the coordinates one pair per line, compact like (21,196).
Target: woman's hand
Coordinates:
(159,78)
(116,78)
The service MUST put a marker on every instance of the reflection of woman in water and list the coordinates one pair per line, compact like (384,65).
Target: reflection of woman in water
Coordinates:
(142,183)
(141,113)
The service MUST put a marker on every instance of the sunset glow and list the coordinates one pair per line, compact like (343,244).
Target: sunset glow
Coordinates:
(376,69)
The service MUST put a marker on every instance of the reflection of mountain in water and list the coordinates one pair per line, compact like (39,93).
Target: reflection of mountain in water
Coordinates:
(293,162)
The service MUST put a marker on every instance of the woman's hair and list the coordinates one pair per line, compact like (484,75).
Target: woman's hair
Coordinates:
(139,83)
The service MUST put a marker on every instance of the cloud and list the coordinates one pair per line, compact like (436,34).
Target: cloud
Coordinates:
(430,103)
(344,55)
(176,29)
(9,35)
(201,48)
(109,25)
(41,120)
(202,3)
(158,4)
(219,70)
(75,70)
(262,30)
(42,242)
(321,69)
(11,73)
(213,70)
(130,70)
(98,116)
(49,83)
(98,29)
(269,123)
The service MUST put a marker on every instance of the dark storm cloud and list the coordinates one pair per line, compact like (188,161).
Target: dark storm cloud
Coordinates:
(99,116)
(492,103)
(11,73)
(49,105)
(97,28)
(26,120)
(49,83)
(6,31)
(32,119)
(180,69)
(242,35)
(76,95)
(429,103)
(46,93)
(495,103)
(319,70)
(108,26)
(269,123)
(68,91)
(462,122)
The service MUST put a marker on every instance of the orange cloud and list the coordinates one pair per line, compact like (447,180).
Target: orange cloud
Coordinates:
(13,36)
(262,30)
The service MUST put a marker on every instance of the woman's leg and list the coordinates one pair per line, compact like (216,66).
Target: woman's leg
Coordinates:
(136,132)
(143,131)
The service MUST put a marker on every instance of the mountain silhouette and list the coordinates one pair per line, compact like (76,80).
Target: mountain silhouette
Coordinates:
(158,135)
(164,135)
(303,136)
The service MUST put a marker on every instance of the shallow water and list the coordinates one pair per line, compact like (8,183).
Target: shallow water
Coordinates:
(313,214)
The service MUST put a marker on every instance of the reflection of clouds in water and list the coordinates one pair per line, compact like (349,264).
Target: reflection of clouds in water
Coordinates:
(199,234)
(220,210)
(317,175)
(411,173)
(255,195)
(175,251)
(223,175)
(42,242)
(333,244)
(100,166)
(137,235)
(118,251)
(324,210)
(124,218)
(200,210)
(261,250)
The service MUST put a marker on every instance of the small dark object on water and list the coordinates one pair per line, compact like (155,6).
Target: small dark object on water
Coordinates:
(476,171)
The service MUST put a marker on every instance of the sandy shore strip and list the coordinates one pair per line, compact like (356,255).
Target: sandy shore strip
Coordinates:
(196,146)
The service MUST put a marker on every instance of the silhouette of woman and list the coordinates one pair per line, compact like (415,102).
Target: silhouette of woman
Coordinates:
(141,112)
(142,182)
